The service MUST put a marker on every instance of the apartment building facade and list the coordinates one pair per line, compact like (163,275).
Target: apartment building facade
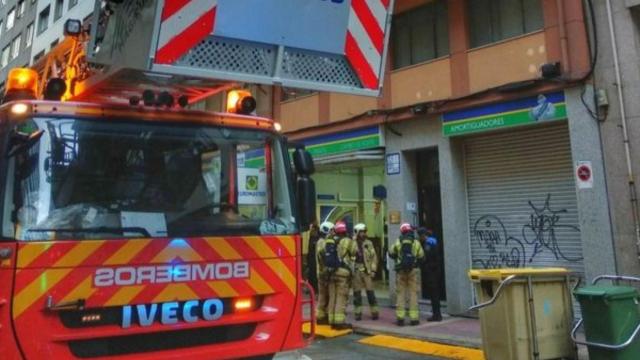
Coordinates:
(617,77)
(51,16)
(17,29)
(483,132)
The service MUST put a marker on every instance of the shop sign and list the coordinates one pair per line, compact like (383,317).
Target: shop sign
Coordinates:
(343,142)
(531,110)
(324,145)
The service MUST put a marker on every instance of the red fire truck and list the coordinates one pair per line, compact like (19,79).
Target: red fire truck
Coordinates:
(134,228)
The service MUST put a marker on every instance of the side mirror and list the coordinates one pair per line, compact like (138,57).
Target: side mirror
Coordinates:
(306,196)
(21,142)
(303,162)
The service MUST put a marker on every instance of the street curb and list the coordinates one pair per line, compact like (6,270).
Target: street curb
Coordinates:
(444,339)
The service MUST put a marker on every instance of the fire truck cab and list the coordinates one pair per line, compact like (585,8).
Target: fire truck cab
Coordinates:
(134,228)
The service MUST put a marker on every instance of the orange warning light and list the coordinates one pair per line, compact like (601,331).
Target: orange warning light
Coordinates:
(22,80)
(240,102)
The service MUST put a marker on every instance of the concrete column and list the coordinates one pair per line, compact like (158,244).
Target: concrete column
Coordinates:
(407,138)
(593,204)
(455,225)
(402,188)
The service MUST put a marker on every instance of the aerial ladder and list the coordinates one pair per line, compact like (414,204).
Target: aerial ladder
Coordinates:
(193,49)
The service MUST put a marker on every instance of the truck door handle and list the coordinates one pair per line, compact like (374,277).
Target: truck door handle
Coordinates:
(5,253)
(70,305)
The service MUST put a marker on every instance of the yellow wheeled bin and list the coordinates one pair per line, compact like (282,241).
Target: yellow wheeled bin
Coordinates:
(525,313)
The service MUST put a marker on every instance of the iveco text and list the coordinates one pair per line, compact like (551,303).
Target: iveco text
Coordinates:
(130,275)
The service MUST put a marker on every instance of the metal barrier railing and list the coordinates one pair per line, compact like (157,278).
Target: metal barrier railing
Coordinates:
(496,295)
(602,345)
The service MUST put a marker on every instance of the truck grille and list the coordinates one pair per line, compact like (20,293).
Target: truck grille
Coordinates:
(169,340)
(73,319)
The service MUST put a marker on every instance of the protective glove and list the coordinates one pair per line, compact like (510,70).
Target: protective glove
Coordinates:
(432,241)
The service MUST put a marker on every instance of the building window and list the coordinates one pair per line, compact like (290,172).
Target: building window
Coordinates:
(20,9)
(420,34)
(494,20)
(53,44)
(58,10)
(15,47)
(43,19)
(38,56)
(28,40)
(5,55)
(11,18)
(72,3)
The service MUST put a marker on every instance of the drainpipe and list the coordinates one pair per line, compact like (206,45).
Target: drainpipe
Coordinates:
(625,133)
(564,47)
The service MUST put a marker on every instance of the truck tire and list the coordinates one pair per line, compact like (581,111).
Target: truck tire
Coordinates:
(261,357)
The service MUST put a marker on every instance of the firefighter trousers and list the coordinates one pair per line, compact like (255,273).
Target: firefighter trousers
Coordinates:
(407,281)
(338,298)
(323,297)
(362,280)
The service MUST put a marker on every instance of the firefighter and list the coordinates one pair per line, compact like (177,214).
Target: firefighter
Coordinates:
(326,232)
(366,265)
(408,254)
(339,253)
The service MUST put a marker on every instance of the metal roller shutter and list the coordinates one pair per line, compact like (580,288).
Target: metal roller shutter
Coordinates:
(522,199)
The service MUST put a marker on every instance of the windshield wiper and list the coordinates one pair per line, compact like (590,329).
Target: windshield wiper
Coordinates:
(101,229)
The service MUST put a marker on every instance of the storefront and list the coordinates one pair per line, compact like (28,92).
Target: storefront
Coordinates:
(349,166)
(509,191)
(521,194)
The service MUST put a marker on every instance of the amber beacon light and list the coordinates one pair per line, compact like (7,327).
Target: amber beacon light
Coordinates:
(240,102)
(22,84)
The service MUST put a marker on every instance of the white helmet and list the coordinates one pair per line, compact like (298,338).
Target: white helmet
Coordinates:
(326,227)
(359,227)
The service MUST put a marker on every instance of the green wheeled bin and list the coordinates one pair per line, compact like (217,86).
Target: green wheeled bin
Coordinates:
(524,313)
(611,322)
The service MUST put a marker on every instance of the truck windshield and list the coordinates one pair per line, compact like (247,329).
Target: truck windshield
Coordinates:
(88,179)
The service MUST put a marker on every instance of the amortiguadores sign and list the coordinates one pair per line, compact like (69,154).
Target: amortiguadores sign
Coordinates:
(540,108)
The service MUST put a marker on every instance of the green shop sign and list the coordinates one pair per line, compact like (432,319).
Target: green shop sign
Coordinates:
(325,145)
(343,142)
(531,110)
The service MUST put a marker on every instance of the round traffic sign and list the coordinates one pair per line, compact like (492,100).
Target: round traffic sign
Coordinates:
(584,173)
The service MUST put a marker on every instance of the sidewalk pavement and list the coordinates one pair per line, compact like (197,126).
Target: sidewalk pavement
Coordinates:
(458,331)
(452,330)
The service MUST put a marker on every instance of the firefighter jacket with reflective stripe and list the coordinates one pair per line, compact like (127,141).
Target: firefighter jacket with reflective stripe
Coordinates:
(320,256)
(416,250)
(366,259)
(346,252)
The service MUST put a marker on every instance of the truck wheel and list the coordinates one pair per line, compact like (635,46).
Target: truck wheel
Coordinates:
(261,357)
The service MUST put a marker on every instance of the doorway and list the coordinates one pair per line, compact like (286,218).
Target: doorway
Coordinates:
(430,210)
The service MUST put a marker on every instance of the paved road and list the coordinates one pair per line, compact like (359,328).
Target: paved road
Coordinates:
(348,348)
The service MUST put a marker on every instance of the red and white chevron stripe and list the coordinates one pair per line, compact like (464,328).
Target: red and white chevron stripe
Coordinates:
(365,39)
(184,23)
